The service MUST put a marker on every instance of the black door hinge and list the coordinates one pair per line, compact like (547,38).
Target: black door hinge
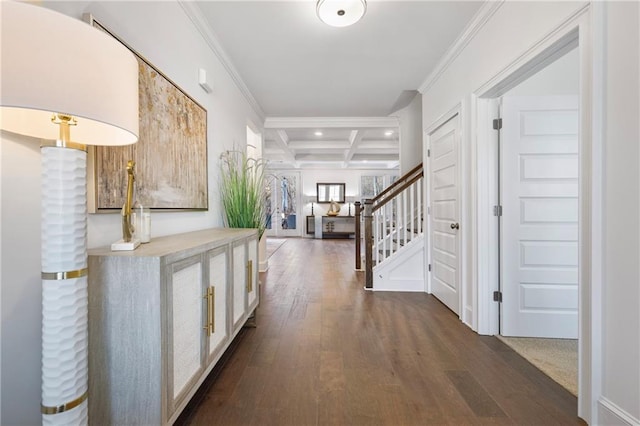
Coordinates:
(497,296)
(497,124)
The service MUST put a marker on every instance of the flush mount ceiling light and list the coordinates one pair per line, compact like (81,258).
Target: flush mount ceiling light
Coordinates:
(340,13)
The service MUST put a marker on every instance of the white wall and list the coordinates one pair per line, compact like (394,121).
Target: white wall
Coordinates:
(510,32)
(621,290)
(163,34)
(21,285)
(410,118)
(559,78)
(513,28)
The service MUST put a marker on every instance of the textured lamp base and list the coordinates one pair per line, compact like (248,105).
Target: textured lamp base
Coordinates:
(121,245)
(64,286)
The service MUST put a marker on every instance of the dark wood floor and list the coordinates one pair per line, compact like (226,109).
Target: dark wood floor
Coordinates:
(325,352)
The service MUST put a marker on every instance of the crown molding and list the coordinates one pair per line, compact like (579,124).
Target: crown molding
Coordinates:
(194,13)
(478,21)
(330,122)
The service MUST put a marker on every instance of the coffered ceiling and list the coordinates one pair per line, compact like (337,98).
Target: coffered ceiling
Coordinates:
(297,71)
(332,142)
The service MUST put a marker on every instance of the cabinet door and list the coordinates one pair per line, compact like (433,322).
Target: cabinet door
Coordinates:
(218,328)
(252,274)
(347,225)
(185,334)
(239,283)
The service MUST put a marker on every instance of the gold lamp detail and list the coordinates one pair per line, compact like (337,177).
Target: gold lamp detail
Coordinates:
(70,86)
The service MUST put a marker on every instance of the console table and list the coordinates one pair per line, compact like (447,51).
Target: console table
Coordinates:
(333,226)
(160,317)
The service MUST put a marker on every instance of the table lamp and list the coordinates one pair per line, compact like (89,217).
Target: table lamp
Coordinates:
(311,199)
(70,85)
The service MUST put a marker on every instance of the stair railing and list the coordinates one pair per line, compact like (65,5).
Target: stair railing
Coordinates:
(392,219)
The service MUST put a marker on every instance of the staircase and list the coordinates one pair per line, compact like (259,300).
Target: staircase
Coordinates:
(393,227)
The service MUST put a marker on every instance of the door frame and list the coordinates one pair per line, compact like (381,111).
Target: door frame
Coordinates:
(457,114)
(585,29)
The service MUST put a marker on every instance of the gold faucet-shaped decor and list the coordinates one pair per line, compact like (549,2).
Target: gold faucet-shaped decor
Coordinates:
(127,225)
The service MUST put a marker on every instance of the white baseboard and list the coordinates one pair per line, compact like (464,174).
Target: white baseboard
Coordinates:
(467,318)
(609,414)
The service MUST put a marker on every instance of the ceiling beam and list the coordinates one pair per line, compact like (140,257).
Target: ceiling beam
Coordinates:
(389,151)
(382,143)
(319,144)
(282,140)
(354,139)
(375,157)
(319,157)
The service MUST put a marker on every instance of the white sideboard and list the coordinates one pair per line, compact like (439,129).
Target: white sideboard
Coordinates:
(160,317)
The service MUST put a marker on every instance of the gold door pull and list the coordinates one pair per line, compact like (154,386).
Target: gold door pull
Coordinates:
(209,327)
(249,276)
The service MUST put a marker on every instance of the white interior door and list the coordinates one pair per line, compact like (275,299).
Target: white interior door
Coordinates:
(539,226)
(445,213)
(283,218)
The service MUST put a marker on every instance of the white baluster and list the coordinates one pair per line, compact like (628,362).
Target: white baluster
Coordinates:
(405,213)
(413,209)
(420,206)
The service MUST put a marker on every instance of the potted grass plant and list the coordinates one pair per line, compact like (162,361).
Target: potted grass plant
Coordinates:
(242,191)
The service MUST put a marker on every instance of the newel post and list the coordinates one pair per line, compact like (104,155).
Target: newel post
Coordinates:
(358,236)
(368,243)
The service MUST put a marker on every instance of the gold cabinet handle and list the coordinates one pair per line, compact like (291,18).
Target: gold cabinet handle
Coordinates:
(206,296)
(209,327)
(249,276)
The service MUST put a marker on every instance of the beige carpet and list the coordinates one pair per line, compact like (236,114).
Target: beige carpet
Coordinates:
(274,244)
(557,358)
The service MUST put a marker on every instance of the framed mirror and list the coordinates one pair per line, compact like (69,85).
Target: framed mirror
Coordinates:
(327,192)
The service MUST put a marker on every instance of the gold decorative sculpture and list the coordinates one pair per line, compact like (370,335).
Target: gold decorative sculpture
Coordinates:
(128,242)
(127,225)
(334,209)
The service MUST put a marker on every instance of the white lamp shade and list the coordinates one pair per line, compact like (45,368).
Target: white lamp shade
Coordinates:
(52,63)
(340,13)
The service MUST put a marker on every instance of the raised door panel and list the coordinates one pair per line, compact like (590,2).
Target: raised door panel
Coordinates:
(185,327)
(252,273)
(540,222)
(444,217)
(239,283)
(218,283)
(347,225)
